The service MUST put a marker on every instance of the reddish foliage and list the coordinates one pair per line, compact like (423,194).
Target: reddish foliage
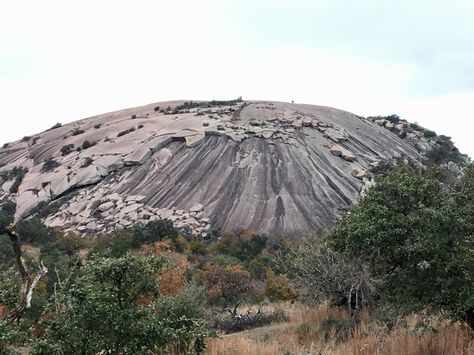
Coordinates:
(172,280)
(229,282)
(3,310)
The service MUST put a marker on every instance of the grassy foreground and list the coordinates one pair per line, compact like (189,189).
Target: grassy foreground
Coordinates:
(304,334)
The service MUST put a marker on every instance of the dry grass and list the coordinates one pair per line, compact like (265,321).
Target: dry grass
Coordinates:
(302,335)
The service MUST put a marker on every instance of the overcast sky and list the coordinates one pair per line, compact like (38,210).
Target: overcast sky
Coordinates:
(62,60)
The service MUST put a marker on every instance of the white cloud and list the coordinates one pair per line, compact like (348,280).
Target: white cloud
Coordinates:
(61,61)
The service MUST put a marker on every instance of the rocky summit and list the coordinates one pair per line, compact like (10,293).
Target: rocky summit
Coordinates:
(277,168)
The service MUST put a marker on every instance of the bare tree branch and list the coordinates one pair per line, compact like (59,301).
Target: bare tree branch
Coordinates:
(28,284)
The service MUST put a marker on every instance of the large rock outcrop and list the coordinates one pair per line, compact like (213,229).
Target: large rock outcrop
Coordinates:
(269,166)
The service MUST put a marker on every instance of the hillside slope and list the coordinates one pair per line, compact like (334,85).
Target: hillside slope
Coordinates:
(269,166)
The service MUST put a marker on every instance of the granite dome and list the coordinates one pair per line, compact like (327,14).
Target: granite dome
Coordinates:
(277,168)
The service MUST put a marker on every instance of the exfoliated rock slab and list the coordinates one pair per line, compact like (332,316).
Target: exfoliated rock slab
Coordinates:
(25,202)
(197,208)
(335,135)
(195,140)
(110,162)
(106,206)
(340,151)
(131,208)
(59,184)
(307,122)
(76,207)
(158,143)
(89,175)
(114,197)
(138,157)
(135,198)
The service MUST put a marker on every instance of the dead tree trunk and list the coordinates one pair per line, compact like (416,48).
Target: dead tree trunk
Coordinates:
(354,307)
(469,318)
(28,284)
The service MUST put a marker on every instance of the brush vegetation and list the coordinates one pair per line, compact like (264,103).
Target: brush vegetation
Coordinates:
(394,276)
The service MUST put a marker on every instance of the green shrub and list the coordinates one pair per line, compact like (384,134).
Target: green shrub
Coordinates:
(120,245)
(6,251)
(153,232)
(242,245)
(442,154)
(8,207)
(392,118)
(77,131)
(198,246)
(110,305)
(205,104)
(35,232)
(17,173)
(87,162)
(57,125)
(338,328)
(127,131)
(66,149)
(227,324)
(429,134)
(414,236)
(225,284)
(49,165)
(87,144)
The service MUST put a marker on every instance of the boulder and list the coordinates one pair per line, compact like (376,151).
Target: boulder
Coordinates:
(199,215)
(131,208)
(135,198)
(92,226)
(106,206)
(197,208)
(76,207)
(454,169)
(335,135)
(133,216)
(110,162)
(166,214)
(307,121)
(114,197)
(89,175)
(7,185)
(138,157)
(342,152)
(182,224)
(57,222)
(360,174)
